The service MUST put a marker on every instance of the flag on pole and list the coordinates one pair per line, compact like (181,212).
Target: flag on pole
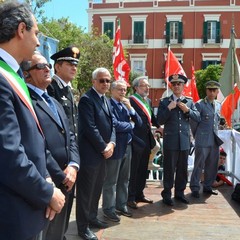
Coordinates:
(229,105)
(231,72)
(230,81)
(120,66)
(194,91)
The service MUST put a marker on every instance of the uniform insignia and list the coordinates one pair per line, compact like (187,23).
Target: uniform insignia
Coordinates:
(63,98)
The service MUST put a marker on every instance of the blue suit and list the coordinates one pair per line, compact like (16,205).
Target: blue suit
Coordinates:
(206,144)
(95,132)
(115,187)
(63,148)
(24,192)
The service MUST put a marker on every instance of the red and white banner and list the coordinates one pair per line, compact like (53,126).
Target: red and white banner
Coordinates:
(120,66)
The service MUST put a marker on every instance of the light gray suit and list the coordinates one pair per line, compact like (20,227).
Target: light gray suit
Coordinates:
(206,144)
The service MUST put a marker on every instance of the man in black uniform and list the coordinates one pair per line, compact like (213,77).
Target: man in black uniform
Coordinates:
(65,68)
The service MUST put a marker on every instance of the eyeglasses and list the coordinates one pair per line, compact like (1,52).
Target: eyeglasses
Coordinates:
(144,86)
(176,84)
(121,89)
(103,80)
(40,66)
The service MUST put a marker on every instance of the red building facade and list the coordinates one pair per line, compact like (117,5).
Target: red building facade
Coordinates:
(198,32)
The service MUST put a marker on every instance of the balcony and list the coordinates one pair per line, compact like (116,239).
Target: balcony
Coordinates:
(138,41)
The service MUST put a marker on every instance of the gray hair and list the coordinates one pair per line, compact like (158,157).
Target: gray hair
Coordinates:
(11,15)
(136,81)
(25,65)
(100,70)
(115,83)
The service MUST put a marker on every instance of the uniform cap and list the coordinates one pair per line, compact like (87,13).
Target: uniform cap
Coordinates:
(213,84)
(177,78)
(70,54)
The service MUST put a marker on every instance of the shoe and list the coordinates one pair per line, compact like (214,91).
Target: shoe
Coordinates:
(210,191)
(112,216)
(144,200)
(195,194)
(132,204)
(96,223)
(124,212)
(182,199)
(168,201)
(87,234)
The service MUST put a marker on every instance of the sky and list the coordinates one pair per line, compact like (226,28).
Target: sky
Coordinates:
(74,9)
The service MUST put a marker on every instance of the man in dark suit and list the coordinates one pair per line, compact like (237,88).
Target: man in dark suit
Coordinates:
(207,141)
(115,187)
(27,200)
(96,144)
(60,141)
(174,112)
(143,142)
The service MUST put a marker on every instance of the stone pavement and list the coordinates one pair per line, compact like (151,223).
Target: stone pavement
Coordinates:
(206,218)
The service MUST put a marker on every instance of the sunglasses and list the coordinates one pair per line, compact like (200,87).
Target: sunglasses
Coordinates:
(103,80)
(176,84)
(40,66)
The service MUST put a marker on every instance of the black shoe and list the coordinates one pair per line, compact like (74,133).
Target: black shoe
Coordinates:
(124,212)
(182,199)
(112,216)
(168,201)
(87,234)
(132,204)
(96,223)
(195,194)
(210,191)
(144,200)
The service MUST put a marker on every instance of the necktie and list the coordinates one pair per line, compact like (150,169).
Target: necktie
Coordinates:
(104,103)
(52,106)
(120,106)
(20,73)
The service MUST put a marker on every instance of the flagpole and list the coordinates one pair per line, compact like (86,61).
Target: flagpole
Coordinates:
(167,75)
(233,69)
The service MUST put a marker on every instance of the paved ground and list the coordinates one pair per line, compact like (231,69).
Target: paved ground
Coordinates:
(208,218)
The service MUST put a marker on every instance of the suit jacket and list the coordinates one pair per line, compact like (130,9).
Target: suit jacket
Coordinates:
(124,129)
(176,133)
(95,128)
(143,134)
(24,192)
(205,132)
(60,140)
(65,97)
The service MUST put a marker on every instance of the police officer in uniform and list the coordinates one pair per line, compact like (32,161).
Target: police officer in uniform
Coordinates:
(207,141)
(65,68)
(174,113)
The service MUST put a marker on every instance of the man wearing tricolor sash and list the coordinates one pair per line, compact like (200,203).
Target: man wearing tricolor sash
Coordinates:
(27,200)
(143,142)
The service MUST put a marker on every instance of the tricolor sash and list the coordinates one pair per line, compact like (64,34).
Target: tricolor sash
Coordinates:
(20,87)
(144,106)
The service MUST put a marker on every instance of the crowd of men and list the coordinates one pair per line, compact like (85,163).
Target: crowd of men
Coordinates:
(48,143)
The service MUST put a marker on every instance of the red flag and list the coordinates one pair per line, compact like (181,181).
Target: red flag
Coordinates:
(120,66)
(229,105)
(194,90)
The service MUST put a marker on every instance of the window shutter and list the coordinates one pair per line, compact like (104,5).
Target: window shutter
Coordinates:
(205,32)
(167,32)
(138,32)
(180,32)
(218,31)
(108,29)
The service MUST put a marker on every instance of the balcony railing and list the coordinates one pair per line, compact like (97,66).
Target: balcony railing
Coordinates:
(138,39)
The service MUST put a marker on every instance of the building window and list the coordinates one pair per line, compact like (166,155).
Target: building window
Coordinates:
(138,29)
(108,29)
(205,64)
(138,63)
(211,32)
(174,32)
(138,32)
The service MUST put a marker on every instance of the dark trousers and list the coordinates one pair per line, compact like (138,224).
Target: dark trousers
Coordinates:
(56,228)
(88,191)
(138,173)
(175,161)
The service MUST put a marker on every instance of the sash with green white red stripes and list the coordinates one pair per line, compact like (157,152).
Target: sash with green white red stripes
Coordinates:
(20,87)
(143,105)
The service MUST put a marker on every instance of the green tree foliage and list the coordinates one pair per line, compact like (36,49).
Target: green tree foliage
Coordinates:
(212,72)
(36,6)
(95,49)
